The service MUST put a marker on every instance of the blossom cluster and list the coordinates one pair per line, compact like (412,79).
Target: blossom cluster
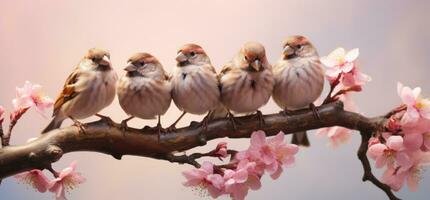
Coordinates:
(343,71)
(66,180)
(344,76)
(246,168)
(404,150)
(30,95)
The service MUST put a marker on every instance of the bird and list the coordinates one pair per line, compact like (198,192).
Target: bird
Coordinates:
(87,90)
(144,91)
(195,85)
(299,79)
(246,81)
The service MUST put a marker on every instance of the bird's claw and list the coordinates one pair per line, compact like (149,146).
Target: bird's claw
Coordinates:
(81,126)
(124,125)
(261,121)
(315,111)
(106,119)
(232,120)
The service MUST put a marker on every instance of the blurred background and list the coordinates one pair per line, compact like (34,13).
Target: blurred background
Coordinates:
(41,41)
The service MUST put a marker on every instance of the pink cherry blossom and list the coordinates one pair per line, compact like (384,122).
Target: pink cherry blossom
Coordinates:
(68,179)
(417,107)
(396,178)
(31,95)
(239,181)
(204,178)
(340,62)
(337,135)
(355,78)
(34,178)
(221,150)
(390,153)
(273,152)
(413,141)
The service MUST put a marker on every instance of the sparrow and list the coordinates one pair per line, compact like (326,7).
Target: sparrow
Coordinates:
(299,79)
(246,81)
(195,86)
(144,91)
(87,90)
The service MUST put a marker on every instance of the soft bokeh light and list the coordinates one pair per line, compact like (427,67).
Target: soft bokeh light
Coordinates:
(41,41)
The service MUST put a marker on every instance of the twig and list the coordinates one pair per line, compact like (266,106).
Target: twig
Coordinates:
(368,175)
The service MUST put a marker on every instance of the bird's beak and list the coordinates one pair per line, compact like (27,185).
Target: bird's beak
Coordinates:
(288,51)
(181,57)
(256,65)
(130,68)
(105,61)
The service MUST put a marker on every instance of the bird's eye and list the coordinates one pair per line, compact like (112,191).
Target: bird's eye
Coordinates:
(142,63)
(299,46)
(246,57)
(192,54)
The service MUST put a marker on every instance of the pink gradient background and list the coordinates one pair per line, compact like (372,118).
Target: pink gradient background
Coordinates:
(41,41)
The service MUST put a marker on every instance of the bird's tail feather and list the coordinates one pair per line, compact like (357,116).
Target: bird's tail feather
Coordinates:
(54,124)
(300,138)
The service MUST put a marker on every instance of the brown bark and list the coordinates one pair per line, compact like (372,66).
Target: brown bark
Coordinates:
(105,136)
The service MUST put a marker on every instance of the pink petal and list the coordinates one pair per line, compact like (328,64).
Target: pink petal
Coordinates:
(413,141)
(275,175)
(426,138)
(347,67)
(404,161)
(352,55)
(240,176)
(208,167)
(214,192)
(407,96)
(239,192)
(216,180)
(254,182)
(381,162)
(333,72)
(376,150)
(395,142)
(258,138)
(328,62)
(1,111)
(416,92)
(337,53)
(279,138)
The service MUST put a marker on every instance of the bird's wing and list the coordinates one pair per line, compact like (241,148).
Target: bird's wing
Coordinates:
(68,91)
(226,68)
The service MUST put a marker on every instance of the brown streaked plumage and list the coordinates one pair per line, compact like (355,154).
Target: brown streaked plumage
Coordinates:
(299,78)
(194,83)
(247,80)
(87,90)
(144,91)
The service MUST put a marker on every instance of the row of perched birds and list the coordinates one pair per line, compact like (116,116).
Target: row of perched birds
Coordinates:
(243,86)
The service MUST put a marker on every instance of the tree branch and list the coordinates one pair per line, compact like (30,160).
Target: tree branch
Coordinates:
(368,175)
(105,136)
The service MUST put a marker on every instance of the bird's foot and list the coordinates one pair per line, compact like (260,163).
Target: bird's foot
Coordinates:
(315,111)
(124,126)
(286,112)
(81,126)
(171,128)
(106,119)
(261,122)
(232,120)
